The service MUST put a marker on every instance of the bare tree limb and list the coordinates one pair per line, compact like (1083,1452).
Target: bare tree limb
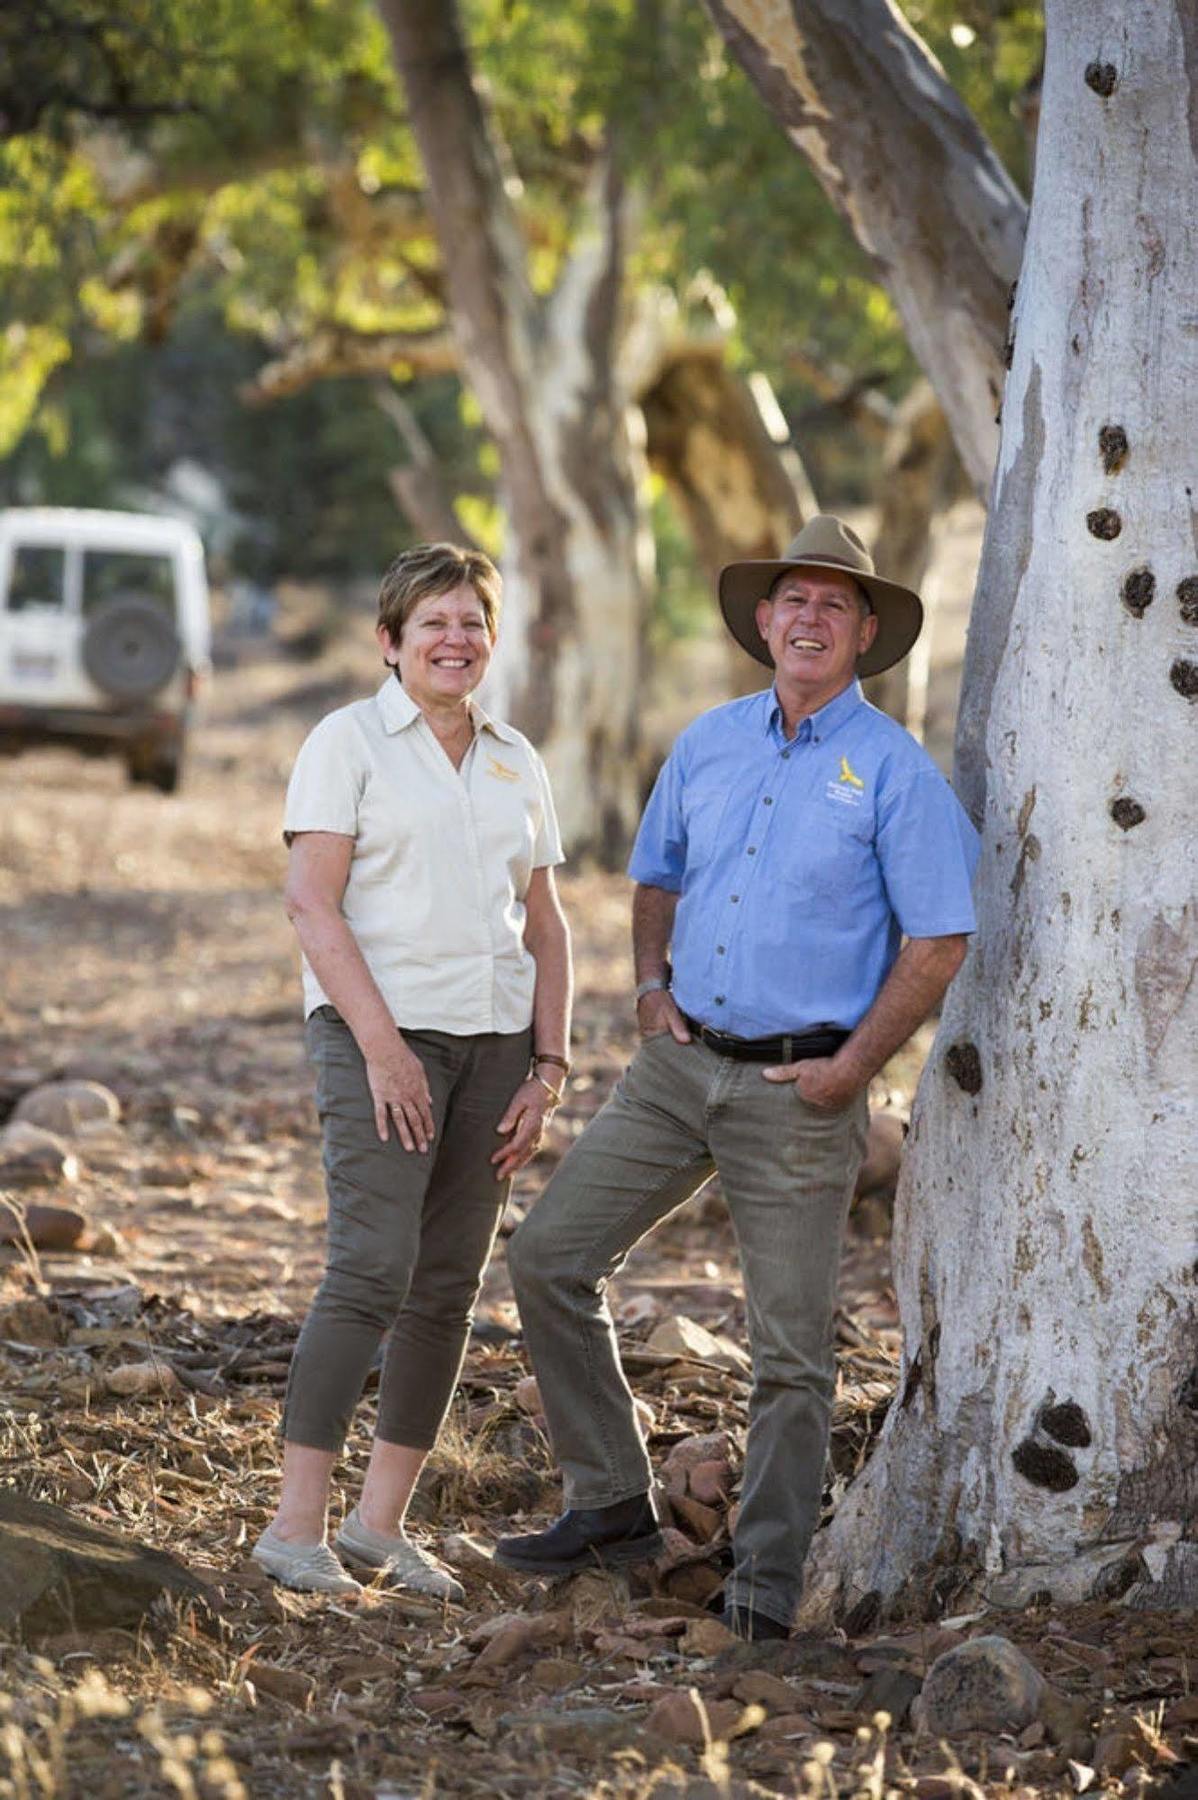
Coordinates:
(912,174)
(418,484)
(339,351)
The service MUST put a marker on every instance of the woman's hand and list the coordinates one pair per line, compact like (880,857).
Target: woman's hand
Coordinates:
(525,1118)
(399,1088)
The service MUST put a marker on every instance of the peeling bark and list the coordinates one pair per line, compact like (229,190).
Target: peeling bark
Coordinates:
(1043,1234)
(734,476)
(913,176)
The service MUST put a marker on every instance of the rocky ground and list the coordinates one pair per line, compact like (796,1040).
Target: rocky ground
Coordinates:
(142,1362)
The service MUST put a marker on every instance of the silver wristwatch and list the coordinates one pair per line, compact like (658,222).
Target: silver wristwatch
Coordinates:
(657,984)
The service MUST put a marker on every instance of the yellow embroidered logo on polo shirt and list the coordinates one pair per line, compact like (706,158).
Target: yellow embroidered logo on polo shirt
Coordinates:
(846,788)
(500,770)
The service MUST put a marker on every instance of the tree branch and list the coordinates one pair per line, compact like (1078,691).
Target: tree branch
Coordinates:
(417,484)
(336,351)
(910,171)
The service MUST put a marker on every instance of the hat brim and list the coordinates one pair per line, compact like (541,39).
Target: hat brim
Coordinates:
(899,611)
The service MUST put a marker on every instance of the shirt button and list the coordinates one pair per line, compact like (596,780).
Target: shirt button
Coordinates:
(735,899)
(719,949)
(752,850)
(767,801)
(719,999)
(786,756)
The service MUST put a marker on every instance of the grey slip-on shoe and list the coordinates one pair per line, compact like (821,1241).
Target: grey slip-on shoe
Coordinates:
(404,1563)
(311,1568)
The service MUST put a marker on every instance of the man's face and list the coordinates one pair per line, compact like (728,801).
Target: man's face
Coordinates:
(816,625)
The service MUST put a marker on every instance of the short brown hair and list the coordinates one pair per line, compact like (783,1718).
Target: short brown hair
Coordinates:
(427,569)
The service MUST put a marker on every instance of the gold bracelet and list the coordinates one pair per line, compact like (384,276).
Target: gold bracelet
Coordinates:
(553,1092)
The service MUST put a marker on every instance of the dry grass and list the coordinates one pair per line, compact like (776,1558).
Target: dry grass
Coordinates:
(179,991)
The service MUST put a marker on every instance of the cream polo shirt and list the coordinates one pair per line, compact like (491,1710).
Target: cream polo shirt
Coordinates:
(441,862)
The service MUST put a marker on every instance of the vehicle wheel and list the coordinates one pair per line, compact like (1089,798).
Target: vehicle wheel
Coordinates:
(162,771)
(130,649)
(164,774)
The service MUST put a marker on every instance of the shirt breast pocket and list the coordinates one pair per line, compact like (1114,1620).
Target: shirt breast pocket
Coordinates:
(835,861)
(509,822)
(704,817)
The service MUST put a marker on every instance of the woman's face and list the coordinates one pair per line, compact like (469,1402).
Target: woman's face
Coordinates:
(444,648)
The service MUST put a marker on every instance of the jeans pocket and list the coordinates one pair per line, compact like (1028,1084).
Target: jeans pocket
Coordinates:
(811,1111)
(337,1062)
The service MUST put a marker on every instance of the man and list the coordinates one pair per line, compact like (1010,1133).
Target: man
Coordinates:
(793,839)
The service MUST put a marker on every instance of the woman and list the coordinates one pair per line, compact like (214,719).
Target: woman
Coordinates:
(435,958)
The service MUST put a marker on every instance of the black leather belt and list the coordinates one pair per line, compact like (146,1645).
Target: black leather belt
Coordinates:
(797,1046)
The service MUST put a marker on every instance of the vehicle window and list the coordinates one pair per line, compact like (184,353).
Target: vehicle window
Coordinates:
(36,582)
(124,575)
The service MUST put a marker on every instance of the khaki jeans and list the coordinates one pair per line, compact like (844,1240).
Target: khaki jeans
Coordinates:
(409,1234)
(679,1114)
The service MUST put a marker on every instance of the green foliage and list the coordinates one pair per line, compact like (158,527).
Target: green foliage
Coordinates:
(50,238)
(304,481)
(187,171)
(66,60)
(991,51)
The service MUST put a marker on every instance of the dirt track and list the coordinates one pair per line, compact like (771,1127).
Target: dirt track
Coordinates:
(144,945)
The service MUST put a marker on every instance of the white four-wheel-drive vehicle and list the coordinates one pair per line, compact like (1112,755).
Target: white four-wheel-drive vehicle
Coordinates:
(104,634)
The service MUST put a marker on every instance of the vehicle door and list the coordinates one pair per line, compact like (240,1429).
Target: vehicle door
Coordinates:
(39,625)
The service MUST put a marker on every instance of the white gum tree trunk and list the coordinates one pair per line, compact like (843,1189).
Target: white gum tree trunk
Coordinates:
(575,687)
(1046,1421)
(908,168)
(543,372)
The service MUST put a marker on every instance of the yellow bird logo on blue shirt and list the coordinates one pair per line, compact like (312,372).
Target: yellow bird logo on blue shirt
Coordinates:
(847,775)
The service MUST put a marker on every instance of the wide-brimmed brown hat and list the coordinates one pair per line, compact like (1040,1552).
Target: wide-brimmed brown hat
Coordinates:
(825,542)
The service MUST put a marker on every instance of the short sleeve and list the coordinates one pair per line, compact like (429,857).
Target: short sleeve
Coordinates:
(327,782)
(659,854)
(928,851)
(547,850)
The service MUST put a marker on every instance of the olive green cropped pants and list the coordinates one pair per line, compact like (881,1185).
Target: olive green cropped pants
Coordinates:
(408,1234)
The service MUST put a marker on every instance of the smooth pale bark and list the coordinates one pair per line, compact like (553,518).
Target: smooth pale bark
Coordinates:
(331,353)
(909,170)
(542,370)
(1044,1237)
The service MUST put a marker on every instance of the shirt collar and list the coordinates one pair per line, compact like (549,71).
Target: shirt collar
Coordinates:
(399,711)
(398,708)
(822,723)
(484,722)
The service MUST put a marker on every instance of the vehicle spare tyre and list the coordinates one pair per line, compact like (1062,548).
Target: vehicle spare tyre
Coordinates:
(130,649)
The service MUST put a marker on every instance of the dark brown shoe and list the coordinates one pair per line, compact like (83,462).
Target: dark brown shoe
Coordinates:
(755,1627)
(608,1536)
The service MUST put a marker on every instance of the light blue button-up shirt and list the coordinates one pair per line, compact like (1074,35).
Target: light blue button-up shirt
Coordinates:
(800,864)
